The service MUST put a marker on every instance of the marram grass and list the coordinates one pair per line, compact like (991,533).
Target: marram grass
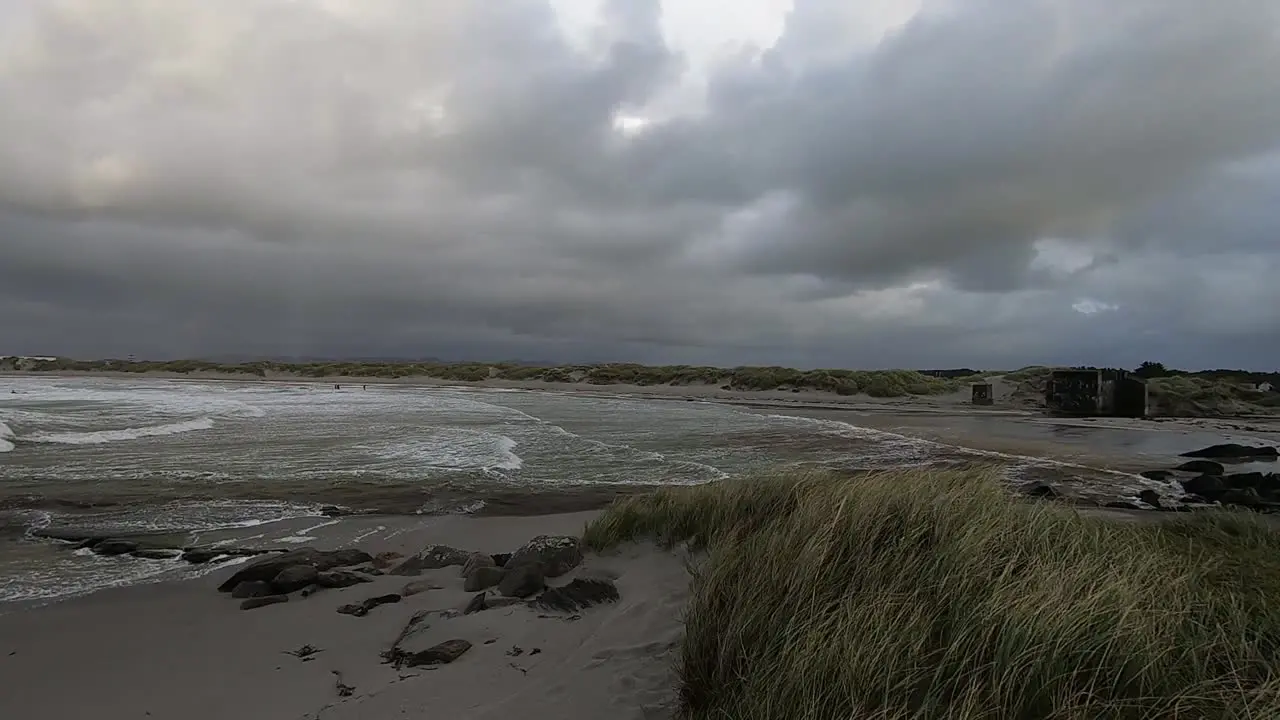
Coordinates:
(923,595)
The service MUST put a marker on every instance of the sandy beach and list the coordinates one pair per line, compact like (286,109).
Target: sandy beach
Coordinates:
(184,650)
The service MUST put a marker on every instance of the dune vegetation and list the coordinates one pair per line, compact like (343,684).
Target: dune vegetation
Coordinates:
(875,383)
(929,595)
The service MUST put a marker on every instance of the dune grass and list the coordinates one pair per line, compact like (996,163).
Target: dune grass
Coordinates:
(921,595)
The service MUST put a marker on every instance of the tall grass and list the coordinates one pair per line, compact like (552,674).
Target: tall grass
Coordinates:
(938,595)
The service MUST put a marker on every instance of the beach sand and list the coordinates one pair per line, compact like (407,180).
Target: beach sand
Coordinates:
(184,650)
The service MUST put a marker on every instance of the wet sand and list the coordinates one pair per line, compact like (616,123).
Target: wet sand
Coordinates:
(183,650)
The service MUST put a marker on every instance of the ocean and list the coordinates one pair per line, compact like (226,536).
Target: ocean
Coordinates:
(194,458)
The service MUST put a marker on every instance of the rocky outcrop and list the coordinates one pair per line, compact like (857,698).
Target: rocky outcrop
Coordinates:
(252,589)
(578,594)
(294,578)
(554,554)
(362,608)
(1204,467)
(522,581)
(1234,451)
(1150,497)
(432,557)
(258,602)
(269,567)
(1254,490)
(1157,475)
(441,654)
(155,554)
(114,547)
(384,560)
(340,578)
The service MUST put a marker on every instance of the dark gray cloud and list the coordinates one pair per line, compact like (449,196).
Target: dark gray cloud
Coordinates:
(922,184)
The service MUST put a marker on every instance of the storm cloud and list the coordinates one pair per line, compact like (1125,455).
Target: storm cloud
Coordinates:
(889,183)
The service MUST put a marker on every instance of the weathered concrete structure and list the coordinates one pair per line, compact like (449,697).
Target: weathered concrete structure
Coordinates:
(1094,392)
(983,394)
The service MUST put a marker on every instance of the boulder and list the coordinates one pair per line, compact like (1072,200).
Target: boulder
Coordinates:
(477,604)
(1204,467)
(577,595)
(362,608)
(252,589)
(417,587)
(294,577)
(198,556)
(1157,475)
(155,554)
(1263,483)
(501,559)
(555,554)
(258,602)
(522,581)
(482,578)
(384,560)
(1150,497)
(268,567)
(1208,486)
(340,578)
(114,547)
(444,653)
(432,557)
(1242,497)
(476,561)
(1234,451)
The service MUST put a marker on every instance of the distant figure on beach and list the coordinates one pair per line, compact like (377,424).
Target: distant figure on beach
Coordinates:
(364,387)
(337,387)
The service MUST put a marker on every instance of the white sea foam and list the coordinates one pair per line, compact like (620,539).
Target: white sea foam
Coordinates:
(99,437)
(454,449)
(6,438)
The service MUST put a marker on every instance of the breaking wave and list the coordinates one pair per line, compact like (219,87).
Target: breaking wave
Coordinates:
(99,437)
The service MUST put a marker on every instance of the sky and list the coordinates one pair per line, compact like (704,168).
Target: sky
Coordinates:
(813,183)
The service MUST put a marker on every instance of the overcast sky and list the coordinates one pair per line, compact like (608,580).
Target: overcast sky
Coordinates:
(984,183)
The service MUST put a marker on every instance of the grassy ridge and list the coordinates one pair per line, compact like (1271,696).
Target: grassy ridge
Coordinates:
(936,595)
(877,383)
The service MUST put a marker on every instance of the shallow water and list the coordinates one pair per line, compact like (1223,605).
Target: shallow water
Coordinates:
(187,457)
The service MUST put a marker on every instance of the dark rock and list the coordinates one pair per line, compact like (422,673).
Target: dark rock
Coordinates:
(361,609)
(444,653)
(258,602)
(482,578)
(294,577)
(332,511)
(1233,450)
(476,605)
(555,554)
(1242,497)
(340,578)
(1122,505)
(197,556)
(1204,467)
(577,595)
(268,567)
(114,547)
(475,562)
(384,560)
(522,581)
(432,557)
(154,554)
(1263,483)
(252,589)
(1157,475)
(1150,497)
(419,586)
(1209,486)
(1042,490)
(501,559)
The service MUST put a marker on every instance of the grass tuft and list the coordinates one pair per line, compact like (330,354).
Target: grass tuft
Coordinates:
(916,594)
